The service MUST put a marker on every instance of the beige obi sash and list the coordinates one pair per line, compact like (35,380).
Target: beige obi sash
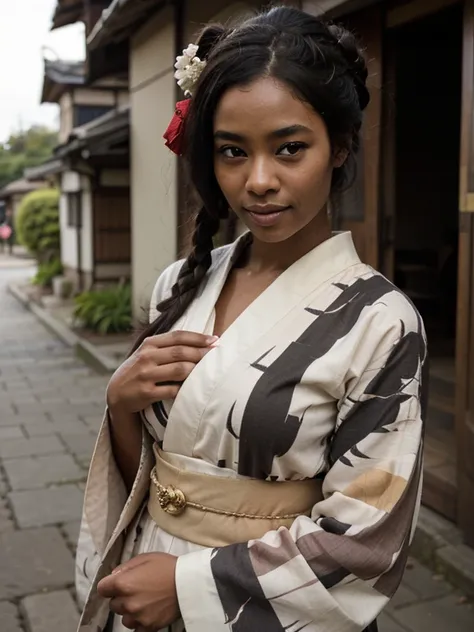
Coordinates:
(216,511)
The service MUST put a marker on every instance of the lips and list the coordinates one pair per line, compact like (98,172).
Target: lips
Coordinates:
(266,215)
(266,209)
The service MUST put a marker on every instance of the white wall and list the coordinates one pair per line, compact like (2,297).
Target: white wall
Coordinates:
(66,117)
(87,226)
(154,200)
(123,98)
(68,236)
(70,182)
(109,271)
(86,96)
(73,182)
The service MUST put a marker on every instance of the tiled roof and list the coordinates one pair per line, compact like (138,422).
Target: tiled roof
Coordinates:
(65,72)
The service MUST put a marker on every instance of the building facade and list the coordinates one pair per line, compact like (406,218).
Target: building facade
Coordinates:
(91,164)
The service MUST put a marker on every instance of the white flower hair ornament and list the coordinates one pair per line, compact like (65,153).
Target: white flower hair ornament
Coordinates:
(188,69)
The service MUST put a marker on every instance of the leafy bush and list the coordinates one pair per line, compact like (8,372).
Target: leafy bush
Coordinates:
(37,224)
(105,311)
(47,271)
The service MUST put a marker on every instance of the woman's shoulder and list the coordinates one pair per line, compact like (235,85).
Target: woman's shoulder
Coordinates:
(169,276)
(386,305)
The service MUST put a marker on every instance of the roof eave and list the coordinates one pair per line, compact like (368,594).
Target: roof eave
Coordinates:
(120,19)
(48,168)
(63,16)
(52,91)
(113,124)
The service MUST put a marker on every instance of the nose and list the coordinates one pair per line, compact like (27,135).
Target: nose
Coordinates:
(262,176)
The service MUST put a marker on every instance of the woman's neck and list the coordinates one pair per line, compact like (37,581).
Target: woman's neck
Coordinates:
(268,257)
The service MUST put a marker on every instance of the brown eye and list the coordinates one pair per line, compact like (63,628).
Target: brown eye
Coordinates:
(231,152)
(291,149)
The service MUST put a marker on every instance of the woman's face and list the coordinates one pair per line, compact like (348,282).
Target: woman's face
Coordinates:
(273,159)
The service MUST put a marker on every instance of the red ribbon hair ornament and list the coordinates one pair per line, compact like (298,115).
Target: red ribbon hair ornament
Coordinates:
(174,135)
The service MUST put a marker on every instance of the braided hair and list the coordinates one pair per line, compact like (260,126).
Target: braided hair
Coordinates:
(319,61)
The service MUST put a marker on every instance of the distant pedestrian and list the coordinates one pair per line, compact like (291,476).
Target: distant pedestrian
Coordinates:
(6,232)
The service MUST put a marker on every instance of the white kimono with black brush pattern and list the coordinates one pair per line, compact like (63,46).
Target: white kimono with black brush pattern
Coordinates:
(320,377)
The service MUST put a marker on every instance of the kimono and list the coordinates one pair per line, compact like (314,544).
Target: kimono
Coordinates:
(321,377)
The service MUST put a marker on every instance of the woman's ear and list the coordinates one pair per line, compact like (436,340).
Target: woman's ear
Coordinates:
(339,157)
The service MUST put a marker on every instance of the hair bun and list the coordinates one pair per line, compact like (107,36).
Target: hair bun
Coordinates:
(208,39)
(355,60)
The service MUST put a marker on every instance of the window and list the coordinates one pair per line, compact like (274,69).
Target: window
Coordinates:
(74,210)
(86,113)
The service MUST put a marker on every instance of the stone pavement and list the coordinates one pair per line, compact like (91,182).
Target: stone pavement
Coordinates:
(50,408)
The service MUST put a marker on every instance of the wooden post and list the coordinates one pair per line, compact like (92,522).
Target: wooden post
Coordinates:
(465,307)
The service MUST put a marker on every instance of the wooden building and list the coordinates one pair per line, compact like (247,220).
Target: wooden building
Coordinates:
(411,211)
(91,163)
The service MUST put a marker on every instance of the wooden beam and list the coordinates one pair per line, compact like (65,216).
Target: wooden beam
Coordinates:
(415,10)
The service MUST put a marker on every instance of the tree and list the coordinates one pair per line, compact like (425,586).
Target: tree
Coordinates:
(25,149)
(37,224)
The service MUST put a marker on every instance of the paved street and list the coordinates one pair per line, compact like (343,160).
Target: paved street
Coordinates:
(50,408)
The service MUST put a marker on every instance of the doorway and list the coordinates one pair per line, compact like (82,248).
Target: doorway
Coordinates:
(424,71)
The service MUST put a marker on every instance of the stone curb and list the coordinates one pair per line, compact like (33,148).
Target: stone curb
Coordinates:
(439,545)
(83,348)
(437,542)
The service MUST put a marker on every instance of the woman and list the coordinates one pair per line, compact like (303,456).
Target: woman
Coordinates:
(273,408)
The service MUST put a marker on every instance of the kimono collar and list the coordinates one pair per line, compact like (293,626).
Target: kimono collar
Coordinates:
(320,264)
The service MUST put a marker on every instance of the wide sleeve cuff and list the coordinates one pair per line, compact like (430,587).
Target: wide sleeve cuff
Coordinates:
(200,606)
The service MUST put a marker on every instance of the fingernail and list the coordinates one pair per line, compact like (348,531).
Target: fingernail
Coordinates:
(212,340)
(116,570)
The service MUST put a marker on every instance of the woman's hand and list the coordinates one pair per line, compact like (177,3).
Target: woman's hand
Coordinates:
(143,592)
(156,370)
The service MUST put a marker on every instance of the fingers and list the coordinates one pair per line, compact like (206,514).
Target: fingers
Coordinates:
(107,587)
(149,356)
(129,622)
(138,560)
(180,353)
(164,392)
(117,606)
(176,372)
(117,584)
(181,338)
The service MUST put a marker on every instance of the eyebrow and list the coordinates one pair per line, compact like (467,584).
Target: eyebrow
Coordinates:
(284,132)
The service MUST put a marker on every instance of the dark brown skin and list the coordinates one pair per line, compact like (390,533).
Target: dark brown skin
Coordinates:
(153,373)
(292,171)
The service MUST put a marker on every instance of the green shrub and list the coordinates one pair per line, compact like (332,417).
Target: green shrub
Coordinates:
(47,271)
(37,224)
(105,311)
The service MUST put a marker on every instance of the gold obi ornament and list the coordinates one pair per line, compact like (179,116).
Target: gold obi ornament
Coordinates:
(213,510)
(170,499)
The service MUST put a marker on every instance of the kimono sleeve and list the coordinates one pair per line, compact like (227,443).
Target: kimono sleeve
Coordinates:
(336,570)
(106,495)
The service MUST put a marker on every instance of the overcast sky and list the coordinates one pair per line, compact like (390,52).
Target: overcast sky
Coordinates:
(24,31)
